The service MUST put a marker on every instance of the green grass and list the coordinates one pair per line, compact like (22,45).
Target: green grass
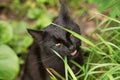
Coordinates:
(67,68)
(104,54)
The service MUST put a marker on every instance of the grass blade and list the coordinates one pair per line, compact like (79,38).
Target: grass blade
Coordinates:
(77,35)
(66,72)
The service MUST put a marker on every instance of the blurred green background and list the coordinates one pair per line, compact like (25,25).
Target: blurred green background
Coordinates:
(18,15)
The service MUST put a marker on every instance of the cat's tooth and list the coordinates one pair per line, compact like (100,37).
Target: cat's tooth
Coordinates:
(74,53)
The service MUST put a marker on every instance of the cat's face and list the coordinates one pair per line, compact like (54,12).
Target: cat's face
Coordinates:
(58,39)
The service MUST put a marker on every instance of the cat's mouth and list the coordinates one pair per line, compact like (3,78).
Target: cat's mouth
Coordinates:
(74,53)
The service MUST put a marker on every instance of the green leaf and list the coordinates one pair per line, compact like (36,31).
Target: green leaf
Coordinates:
(6,32)
(113,5)
(102,4)
(41,1)
(116,10)
(9,64)
(34,13)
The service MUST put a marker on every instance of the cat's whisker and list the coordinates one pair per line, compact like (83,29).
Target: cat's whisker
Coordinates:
(45,59)
(48,56)
(52,62)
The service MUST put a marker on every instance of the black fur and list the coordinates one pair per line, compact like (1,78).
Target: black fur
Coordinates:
(41,56)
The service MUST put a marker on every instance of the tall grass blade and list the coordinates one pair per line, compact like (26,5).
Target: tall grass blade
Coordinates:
(77,35)
(115,20)
(66,71)
(66,66)
(111,28)
(58,54)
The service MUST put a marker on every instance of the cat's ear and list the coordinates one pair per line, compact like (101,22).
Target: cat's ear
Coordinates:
(63,11)
(36,34)
(63,15)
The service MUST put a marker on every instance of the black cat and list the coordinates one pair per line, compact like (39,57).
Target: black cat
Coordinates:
(41,56)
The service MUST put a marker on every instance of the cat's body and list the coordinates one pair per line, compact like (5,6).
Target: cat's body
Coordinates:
(41,56)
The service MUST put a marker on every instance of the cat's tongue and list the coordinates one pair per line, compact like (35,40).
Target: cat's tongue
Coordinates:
(74,53)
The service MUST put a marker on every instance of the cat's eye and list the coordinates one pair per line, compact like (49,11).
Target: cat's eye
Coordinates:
(58,44)
(68,35)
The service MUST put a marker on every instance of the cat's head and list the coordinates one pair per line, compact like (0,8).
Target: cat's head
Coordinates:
(53,37)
